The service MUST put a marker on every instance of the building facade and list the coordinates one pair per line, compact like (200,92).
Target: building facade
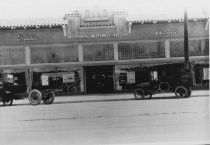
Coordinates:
(97,53)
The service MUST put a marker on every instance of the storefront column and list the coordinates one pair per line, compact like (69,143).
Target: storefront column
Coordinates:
(116,56)
(80,53)
(167,49)
(28,73)
(82,82)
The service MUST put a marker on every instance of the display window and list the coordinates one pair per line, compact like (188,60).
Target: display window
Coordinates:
(16,77)
(60,79)
(128,76)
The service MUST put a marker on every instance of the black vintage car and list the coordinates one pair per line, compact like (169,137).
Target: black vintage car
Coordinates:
(10,92)
(175,78)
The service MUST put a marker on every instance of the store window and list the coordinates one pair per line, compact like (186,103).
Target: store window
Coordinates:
(128,76)
(16,77)
(54,54)
(12,56)
(98,52)
(60,79)
(69,79)
(141,50)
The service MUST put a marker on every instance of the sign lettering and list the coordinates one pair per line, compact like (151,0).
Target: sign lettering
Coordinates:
(91,36)
(27,37)
(166,33)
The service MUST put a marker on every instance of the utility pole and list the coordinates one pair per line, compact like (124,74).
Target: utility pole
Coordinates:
(186,39)
(188,71)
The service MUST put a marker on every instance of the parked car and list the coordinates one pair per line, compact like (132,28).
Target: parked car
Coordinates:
(10,92)
(166,78)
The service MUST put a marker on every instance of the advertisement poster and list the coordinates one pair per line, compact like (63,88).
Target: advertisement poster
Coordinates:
(68,78)
(45,80)
(130,77)
(205,73)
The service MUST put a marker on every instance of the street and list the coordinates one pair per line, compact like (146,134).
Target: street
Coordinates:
(107,119)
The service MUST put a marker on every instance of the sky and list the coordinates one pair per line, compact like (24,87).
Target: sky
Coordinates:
(17,9)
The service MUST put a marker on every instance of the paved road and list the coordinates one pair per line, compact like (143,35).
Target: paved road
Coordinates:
(107,119)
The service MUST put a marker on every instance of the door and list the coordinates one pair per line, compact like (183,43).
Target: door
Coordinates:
(99,79)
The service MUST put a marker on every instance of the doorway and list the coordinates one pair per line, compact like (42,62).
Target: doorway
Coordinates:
(99,79)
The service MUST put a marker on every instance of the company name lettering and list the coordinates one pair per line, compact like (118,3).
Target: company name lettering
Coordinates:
(166,33)
(111,35)
(27,37)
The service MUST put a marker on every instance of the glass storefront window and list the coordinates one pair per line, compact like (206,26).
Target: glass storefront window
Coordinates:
(60,79)
(196,48)
(12,56)
(98,52)
(16,77)
(141,50)
(128,76)
(69,79)
(54,54)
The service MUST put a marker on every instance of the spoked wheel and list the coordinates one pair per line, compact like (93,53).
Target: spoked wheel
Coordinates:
(181,92)
(48,98)
(139,94)
(148,96)
(8,103)
(35,97)
(7,99)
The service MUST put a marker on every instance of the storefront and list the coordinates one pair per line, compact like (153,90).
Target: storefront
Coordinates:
(105,54)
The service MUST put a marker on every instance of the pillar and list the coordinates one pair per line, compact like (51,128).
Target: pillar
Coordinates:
(116,54)
(80,53)
(167,49)
(27,55)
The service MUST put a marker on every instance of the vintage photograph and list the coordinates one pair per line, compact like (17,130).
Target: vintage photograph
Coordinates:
(104,72)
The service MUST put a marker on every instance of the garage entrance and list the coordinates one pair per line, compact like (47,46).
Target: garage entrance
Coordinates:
(99,79)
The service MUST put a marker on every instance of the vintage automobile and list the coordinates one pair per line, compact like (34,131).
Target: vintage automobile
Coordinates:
(166,78)
(10,92)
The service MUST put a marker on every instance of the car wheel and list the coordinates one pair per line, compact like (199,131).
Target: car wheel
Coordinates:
(181,92)
(8,103)
(139,94)
(49,98)
(35,97)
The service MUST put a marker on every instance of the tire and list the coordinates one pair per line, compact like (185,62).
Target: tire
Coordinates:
(8,103)
(181,92)
(7,99)
(164,86)
(189,91)
(34,97)
(139,94)
(49,98)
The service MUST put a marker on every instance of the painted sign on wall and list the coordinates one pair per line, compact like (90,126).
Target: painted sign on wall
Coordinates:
(68,78)
(27,37)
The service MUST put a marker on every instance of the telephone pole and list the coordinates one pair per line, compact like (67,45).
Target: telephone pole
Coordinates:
(186,39)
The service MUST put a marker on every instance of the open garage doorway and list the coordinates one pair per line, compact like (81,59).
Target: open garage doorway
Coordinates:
(99,79)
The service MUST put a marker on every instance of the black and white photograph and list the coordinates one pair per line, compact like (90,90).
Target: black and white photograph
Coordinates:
(104,72)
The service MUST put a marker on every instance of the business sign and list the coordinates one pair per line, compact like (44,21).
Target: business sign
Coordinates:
(45,80)
(205,73)
(27,37)
(167,33)
(130,77)
(69,78)
(91,36)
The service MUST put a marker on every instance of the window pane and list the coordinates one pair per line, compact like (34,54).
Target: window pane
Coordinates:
(10,56)
(98,52)
(141,50)
(54,54)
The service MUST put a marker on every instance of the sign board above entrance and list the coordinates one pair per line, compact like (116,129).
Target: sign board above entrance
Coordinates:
(89,36)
